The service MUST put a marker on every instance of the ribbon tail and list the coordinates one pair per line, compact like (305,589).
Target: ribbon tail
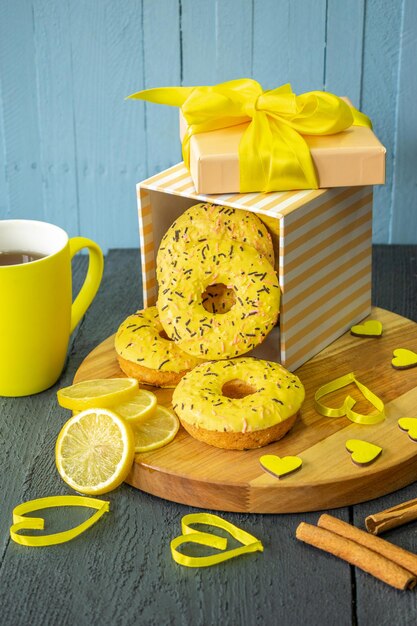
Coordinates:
(301,168)
(172,96)
(360,119)
(281,160)
(186,146)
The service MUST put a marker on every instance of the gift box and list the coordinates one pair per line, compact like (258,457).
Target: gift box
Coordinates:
(322,240)
(236,137)
(354,157)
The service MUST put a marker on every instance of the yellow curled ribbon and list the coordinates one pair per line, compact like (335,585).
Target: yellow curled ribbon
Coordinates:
(21,522)
(273,155)
(349,402)
(190,535)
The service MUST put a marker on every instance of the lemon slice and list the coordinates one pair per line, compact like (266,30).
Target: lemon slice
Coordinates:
(142,405)
(155,431)
(99,393)
(94,451)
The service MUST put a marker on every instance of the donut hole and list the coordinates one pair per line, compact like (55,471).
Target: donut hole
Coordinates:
(237,389)
(163,335)
(217,298)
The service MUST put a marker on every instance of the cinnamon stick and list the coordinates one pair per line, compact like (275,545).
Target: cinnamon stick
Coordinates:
(360,556)
(390,551)
(391,518)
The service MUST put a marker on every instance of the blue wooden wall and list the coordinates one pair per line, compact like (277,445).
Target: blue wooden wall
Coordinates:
(72,149)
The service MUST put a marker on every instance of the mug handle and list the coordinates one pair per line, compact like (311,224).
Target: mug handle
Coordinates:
(92,280)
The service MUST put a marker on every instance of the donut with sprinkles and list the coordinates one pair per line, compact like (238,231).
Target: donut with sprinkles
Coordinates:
(238,403)
(245,325)
(212,221)
(145,353)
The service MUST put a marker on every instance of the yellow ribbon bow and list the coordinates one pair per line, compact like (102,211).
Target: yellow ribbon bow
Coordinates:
(273,155)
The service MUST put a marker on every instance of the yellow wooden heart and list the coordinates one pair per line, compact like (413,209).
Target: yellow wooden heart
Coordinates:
(409,424)
(404,359)
(363,452)
(280,466)
(370,328)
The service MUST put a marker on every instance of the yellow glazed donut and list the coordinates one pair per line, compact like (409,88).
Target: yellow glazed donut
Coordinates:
(238,403)
(144,353)
(215,222)
(220,335)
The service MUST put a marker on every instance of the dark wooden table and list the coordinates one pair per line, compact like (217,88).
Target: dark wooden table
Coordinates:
(121,570)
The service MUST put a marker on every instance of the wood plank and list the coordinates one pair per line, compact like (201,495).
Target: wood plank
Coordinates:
(198,35)
(56,114)
(216,41)
(4,192)
(20,111)
(379,100)
(404,220)
(394,279)
(162,68)
(289,44)
(196,474)
(233,57)
(108,66)
(344,40)
(271,35)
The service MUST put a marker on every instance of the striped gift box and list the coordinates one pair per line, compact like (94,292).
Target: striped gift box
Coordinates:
(322,242)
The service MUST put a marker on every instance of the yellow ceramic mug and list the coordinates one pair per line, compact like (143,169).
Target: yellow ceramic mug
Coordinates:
(37,315)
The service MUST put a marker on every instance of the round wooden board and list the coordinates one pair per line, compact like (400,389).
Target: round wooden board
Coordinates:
(196,474)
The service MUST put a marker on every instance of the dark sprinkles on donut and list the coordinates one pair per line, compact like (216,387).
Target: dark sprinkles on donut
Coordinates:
(150,351)
(250,300)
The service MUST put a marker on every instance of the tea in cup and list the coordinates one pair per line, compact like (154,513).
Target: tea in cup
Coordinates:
(37,315)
